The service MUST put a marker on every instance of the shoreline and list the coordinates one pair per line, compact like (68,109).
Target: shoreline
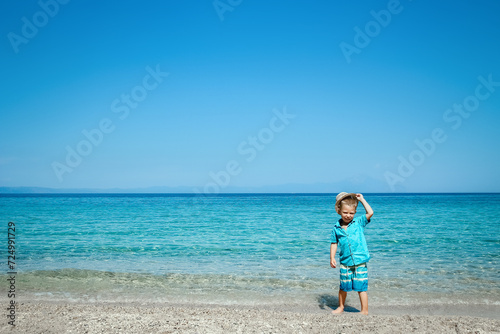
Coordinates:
(312,304)
(61,317)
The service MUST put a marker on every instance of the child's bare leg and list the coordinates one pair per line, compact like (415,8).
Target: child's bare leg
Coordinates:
(342,298)
(363,298)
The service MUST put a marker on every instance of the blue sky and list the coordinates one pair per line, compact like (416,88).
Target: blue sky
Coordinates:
(246,94)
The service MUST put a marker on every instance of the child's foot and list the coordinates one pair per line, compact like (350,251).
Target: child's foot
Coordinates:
(364,312)
(338,310)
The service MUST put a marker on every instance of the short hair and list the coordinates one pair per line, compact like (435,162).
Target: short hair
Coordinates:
(351,201)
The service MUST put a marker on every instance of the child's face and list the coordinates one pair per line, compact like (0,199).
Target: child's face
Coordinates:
(347,212)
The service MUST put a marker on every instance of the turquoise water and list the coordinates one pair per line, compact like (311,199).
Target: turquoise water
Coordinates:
(250,249)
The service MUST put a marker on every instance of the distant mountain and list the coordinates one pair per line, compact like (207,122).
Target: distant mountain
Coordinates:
(41,190)
(26,190)
(354,184)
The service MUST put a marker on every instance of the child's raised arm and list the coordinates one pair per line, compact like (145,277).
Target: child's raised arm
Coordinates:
(368,208)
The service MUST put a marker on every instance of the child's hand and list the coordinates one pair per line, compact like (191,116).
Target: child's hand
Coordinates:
(333,263)
(368,208)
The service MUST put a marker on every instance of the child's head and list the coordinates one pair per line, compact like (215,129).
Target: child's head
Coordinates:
(346,205)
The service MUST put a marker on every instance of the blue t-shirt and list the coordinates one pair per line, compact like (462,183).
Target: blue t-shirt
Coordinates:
(351,241)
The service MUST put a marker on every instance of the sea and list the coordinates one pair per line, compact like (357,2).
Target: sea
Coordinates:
(246,249)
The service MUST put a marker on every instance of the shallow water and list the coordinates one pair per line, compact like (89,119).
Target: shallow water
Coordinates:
(425,248)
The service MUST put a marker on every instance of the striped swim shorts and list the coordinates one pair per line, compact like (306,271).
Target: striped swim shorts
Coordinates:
(354,278)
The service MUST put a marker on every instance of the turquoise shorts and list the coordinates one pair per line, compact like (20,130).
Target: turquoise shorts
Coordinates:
(354,278)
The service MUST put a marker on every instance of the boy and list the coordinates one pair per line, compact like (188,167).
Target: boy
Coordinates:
(348,232)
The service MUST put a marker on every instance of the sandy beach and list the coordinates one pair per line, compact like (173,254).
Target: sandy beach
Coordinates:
(52,317)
